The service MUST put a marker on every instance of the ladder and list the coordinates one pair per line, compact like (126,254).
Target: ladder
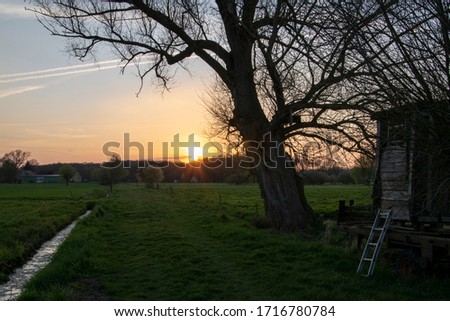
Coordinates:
(374,242)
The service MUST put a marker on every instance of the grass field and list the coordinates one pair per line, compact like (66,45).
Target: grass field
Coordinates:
(197,242)
(324,199)
(31,214)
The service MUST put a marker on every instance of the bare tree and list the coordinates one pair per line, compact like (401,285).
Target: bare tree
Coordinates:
(293,69)
(219,104)
(410,51)
(11,163)
(17,157)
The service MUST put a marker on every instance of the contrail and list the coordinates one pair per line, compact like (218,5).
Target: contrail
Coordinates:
(52,70)
(18,91)
(63,71)
(58,74)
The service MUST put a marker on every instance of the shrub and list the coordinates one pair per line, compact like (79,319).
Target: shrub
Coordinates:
(362,175)
(315,177)
(237,178)
(345,178)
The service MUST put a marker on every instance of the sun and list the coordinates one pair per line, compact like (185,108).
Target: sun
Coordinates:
(193,154)
(198,154)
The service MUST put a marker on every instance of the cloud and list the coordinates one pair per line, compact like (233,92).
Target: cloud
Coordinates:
(15,10)
(29,123)
(19,90)
(59,131)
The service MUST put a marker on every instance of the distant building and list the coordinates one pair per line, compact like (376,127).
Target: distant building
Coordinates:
(30,177)
(76,178)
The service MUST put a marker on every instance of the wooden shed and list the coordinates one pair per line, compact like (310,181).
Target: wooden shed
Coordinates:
(413,164)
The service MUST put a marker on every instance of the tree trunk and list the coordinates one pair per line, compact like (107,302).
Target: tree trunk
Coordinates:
(284,199)
(281,186)
(282,189)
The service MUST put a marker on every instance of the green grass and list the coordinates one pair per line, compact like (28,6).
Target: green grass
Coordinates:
(198,243)
(324,199)
(31,214)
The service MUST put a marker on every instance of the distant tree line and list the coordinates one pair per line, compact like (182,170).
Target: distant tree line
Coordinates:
(150,174)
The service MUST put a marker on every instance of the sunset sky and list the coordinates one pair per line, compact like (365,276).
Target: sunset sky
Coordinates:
(63,110)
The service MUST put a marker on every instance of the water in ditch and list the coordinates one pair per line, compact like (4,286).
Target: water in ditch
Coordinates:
(12,289)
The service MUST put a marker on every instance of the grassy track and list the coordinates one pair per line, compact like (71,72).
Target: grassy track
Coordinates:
(30,214)
(198,243)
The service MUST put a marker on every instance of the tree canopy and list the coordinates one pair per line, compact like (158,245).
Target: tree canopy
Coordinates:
(67,172)
(10,164)
(110,172)
(294,70)
(150,175)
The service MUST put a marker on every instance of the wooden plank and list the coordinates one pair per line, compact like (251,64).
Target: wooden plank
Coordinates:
(410,238)
(394,186)
(393,165)
(428,219)
(394,177)
(401,215)
(354,213)
(395,149)
(396,196)
(394,155)
(387,203)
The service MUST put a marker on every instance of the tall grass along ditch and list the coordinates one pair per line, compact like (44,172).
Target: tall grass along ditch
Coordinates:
(13,288)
